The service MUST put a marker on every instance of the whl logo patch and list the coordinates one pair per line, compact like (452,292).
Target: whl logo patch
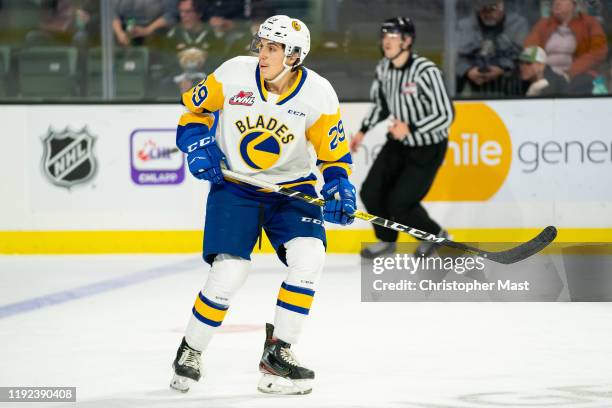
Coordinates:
(242,98)
(68,157)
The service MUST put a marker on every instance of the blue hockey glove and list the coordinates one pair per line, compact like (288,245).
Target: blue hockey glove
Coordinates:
(204,160)
(339,196)
(203,155)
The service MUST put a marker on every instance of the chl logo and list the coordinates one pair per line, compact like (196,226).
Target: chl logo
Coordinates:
(150,151)
(68,157)
(242,98)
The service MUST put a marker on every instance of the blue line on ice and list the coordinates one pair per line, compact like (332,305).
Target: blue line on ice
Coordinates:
(93,289)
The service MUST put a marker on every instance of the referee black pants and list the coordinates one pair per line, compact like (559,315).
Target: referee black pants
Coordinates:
(399,179)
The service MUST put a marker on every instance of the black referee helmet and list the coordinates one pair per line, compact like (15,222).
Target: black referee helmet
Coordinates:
(399,24)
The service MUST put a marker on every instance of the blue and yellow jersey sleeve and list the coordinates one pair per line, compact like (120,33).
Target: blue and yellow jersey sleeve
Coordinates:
(330,141)
(194,126)
(206,96)
(201,101)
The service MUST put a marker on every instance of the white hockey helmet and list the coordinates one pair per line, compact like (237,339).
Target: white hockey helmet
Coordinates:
(291,32)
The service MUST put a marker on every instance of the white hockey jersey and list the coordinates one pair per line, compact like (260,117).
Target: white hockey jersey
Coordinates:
(270,135)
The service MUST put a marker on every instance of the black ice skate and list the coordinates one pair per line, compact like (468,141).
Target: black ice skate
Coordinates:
(427,248)
(186,367)
(282,373)
(378,249)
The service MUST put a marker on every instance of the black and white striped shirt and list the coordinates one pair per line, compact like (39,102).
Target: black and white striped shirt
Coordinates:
(414,94)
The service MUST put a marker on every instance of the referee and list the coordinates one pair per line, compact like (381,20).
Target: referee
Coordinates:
(409,89)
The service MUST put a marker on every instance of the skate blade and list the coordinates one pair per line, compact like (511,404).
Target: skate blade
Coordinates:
(181,384)
(273,384)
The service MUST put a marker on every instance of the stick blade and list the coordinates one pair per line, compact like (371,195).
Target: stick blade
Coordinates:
(525,250)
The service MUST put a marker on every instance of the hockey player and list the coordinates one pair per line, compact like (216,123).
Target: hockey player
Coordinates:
(276,118)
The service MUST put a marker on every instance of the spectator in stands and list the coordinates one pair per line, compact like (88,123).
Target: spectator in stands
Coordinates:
(489,43)
(575,43)
(593,8)
(135,21)
(73,23)
(543,81)
(260,11)
(189,44)
(66,22)
(229,31)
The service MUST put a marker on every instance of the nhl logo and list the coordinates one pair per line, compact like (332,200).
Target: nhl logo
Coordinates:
(68,157)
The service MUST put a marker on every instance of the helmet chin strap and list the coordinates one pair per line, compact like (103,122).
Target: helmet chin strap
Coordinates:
(398,54)
(284,72)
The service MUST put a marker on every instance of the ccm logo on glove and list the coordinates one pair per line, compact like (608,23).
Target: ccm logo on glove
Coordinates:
(201,143)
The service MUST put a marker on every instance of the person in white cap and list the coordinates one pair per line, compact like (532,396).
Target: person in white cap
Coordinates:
(541,78)
(268,117)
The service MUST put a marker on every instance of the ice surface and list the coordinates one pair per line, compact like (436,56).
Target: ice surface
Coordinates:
(110,326)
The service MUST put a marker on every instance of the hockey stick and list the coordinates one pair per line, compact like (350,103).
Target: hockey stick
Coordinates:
(509,256)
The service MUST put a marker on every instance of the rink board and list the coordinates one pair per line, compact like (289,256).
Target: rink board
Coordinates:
(512,168)
(339,241)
